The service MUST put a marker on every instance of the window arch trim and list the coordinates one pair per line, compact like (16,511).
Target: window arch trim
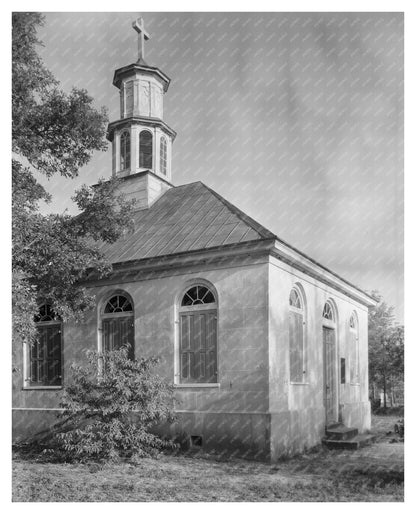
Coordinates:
(329,313)
(198,306)
(296,299)
(120,302)
(353,322)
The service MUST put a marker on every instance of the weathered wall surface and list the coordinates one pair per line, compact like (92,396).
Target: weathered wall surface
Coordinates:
(253,409)
(297,410)
(232,412)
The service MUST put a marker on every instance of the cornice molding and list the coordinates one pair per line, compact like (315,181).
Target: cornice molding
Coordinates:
(145,70)
(313,269)
(139,120)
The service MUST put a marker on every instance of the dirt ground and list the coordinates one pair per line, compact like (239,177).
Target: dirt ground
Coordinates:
(374,473)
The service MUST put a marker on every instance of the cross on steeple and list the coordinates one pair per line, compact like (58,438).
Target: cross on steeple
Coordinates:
(138,26)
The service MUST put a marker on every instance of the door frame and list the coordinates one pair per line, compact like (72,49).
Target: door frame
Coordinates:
(332,325)
(335,380)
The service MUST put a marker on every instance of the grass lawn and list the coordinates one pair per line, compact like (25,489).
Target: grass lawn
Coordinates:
(370,474)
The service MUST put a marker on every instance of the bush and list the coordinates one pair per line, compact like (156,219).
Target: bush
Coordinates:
(110,407)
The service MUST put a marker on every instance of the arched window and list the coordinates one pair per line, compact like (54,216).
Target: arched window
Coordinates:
(163,155)
(125,151)
(145,149)
(328,312)
(198,335)
(296,337)
(117,320)
(45,354)
(353,349)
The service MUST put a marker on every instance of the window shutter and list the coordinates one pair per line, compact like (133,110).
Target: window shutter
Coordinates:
(45,356)
(186,338)
(118,332)
(296,346)
(211,347)
(198,347)
(353,356)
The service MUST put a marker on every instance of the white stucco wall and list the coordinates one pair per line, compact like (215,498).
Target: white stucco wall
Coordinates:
(254,408)
(297,410)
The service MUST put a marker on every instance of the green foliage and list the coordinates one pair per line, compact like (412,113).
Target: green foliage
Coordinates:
(385,347)
(55,133)
(110,406)
(23,305)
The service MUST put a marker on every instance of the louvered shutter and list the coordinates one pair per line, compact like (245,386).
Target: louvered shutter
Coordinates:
(296,346)
(198,347)
(45,356)
(118,332)
(353,356)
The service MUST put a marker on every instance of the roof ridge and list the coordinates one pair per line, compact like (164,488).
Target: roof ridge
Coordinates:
(252,223)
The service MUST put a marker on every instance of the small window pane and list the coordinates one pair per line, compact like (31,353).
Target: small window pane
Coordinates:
(118,303)
(124,151)
(294,299)
(328,313)
(163,155)
(145,149)
(198,295)
(46,313)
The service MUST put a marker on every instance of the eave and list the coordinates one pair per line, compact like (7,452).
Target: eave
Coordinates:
(142,120)
(215,255)
(145,70)
(232,254)
(302,262)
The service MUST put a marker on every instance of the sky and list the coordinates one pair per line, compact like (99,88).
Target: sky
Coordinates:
(296,118)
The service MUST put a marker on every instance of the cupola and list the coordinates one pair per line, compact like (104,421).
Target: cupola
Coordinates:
(141,140)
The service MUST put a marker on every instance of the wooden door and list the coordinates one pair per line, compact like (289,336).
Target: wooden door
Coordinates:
(198,346)
(330,387)
(117,332)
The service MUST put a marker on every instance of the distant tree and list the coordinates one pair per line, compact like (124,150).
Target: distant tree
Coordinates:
(385,347)
(54,133)
(110,407)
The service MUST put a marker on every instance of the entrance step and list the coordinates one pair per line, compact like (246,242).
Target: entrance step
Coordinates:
(358,441)
(339,432)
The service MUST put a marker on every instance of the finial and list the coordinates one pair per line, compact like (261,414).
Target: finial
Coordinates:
(138,26)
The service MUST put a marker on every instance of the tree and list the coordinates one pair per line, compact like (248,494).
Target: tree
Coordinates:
(54,133)
(108,414)
(385,346)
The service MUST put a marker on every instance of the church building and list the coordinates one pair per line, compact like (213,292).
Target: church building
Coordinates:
(266,348)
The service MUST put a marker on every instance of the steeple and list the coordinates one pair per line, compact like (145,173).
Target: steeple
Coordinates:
(141,140)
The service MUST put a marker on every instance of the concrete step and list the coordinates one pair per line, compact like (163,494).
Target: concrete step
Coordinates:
(354,443)
(340,432)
